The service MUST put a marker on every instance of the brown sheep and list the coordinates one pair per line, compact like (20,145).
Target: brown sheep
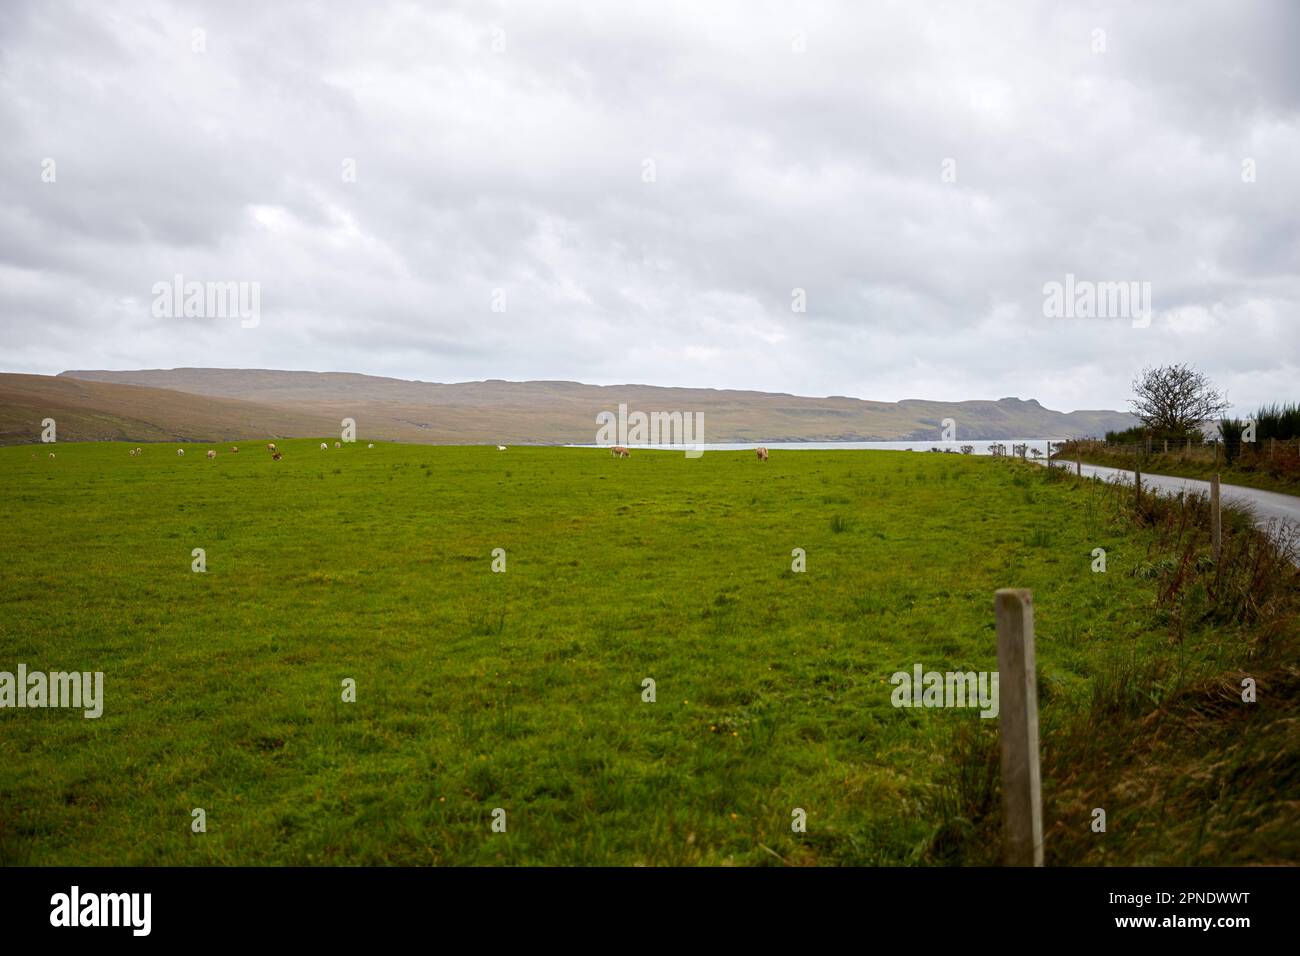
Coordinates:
(618,451)
(762,454)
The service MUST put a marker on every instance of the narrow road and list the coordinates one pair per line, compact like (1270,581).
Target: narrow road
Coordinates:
(1267,504)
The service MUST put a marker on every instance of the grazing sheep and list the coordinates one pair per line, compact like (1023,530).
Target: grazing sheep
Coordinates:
(212,454)
(139,451)
(501,447)
(337,445)
(51,454)
(276,457)
(618,451)
(324,447)
(371,445)
(270,446)
(234,450)
(762,454)
(180,452)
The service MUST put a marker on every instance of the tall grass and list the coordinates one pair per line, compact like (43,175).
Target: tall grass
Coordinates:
(1280,421)
(1163,741)
(1230,431)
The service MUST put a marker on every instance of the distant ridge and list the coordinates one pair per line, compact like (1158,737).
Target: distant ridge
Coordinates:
(220,404)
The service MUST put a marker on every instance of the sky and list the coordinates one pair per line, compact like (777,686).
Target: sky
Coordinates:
(816,198)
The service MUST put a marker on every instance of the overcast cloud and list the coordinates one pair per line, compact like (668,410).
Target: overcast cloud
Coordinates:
(794,146)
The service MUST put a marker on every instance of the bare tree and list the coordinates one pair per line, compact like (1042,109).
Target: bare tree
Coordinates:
(1175,400)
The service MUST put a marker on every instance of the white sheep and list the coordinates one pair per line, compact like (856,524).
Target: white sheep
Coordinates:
(371,445)
(501,447)
(180,452)
(212,454)
(337,445)
(324,447)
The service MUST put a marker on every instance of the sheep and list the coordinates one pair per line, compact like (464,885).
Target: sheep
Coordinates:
(762,454)
(501,447)
(139,451)
(234,450)
(371,445)
(180,452)
(270,446)
(618,451)
(337,445)
(212,454)
(324,447)
(276,457)
(51,454)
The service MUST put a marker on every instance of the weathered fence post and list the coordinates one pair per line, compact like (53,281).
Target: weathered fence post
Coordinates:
(1078,467)
(1216,517)
(1137,483)
(1022,797)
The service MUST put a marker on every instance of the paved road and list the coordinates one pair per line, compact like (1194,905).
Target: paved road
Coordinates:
(1267,504)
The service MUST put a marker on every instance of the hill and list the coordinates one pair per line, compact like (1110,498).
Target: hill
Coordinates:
(557,412)
(103,411)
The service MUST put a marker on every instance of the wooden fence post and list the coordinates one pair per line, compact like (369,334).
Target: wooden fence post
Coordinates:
(1216,517)
(1137,482)
(1022,797)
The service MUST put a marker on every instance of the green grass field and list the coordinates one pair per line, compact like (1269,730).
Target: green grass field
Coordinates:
(523,690)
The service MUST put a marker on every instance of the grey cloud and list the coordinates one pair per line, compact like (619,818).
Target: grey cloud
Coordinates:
(522,170)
